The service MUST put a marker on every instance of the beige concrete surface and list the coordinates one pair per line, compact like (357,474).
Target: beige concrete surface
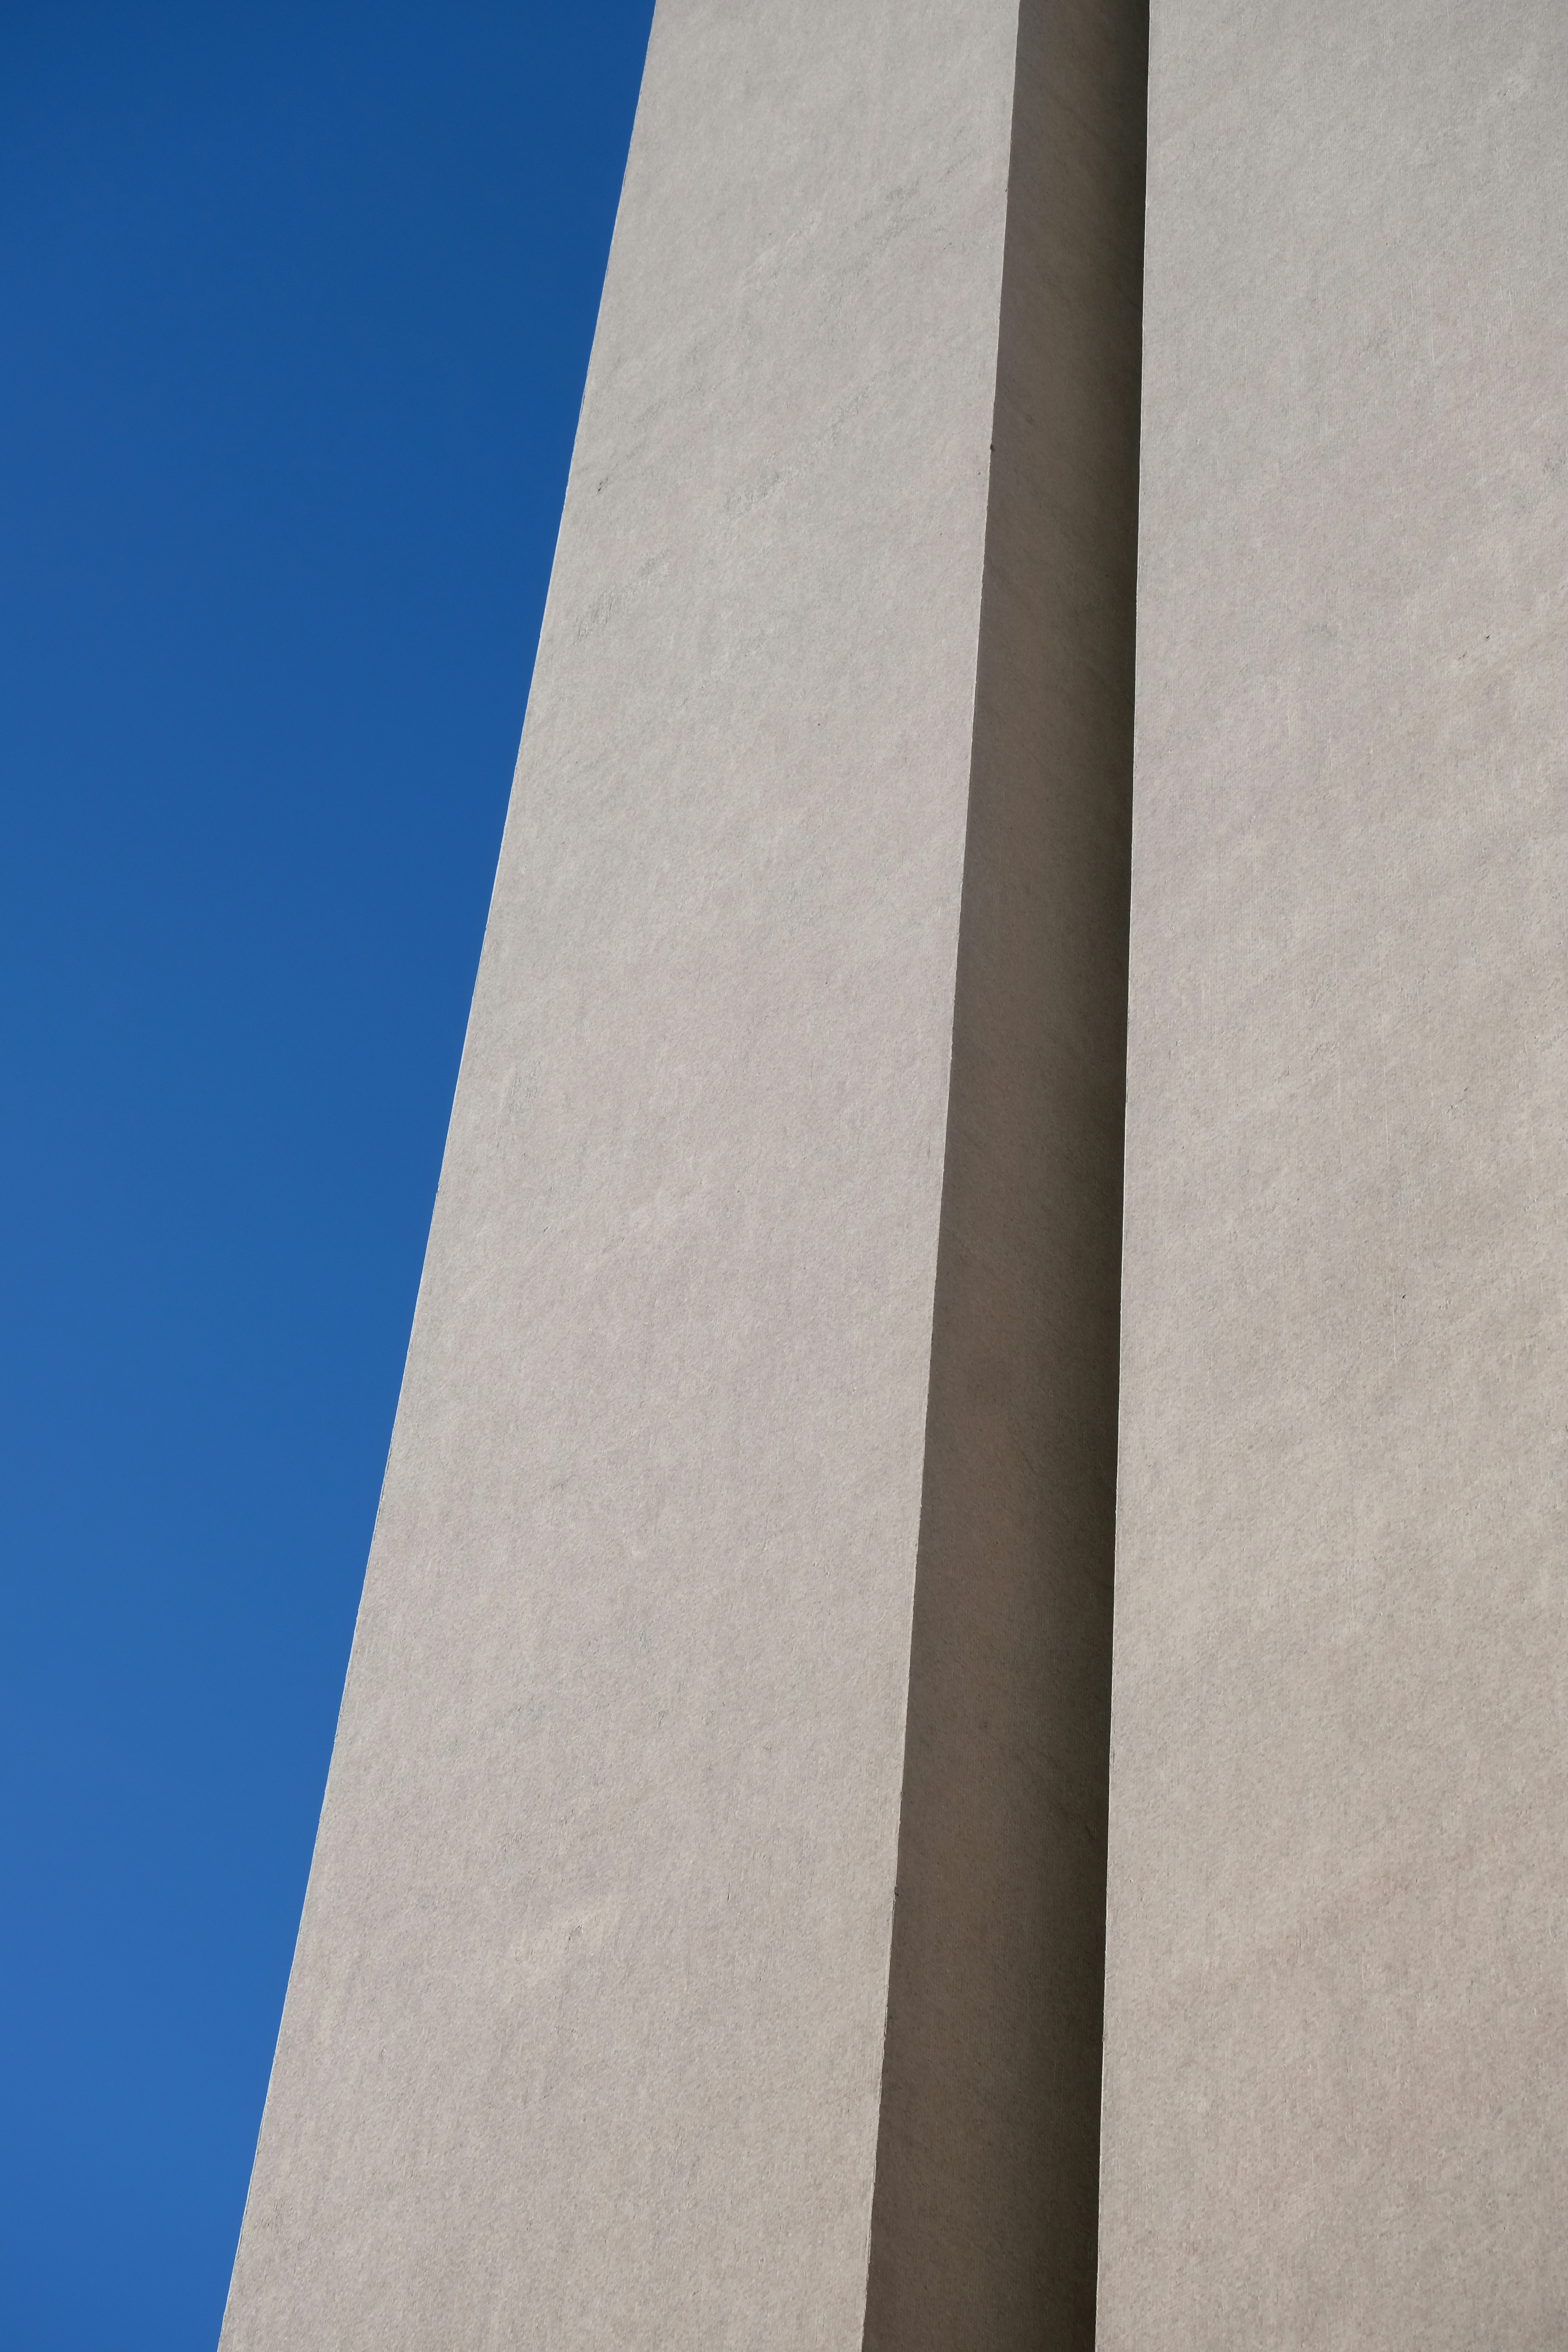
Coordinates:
(584,2042)
(1336,2102)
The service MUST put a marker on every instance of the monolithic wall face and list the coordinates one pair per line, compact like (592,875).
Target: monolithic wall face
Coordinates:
(1336,2106)
(706,1937)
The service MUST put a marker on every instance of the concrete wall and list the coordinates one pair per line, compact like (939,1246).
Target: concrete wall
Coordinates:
(1336,2106)
(584,2042)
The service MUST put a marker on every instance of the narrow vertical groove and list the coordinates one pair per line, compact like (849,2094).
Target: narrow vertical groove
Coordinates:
(984,2223)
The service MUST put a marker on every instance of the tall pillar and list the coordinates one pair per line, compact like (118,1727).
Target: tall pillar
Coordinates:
(703,1942)
(1336,2110)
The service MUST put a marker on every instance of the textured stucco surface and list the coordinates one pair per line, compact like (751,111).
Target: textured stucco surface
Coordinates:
(584,2042)
(1336,2102)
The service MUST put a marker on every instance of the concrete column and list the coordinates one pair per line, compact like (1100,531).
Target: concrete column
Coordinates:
(744,1559)
(1336,2106)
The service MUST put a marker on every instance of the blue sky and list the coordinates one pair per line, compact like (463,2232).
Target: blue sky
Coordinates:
(297,301)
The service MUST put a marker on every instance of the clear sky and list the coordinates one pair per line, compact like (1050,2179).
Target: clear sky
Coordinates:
(295,305)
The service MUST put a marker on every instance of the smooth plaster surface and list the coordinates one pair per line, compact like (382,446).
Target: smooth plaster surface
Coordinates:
(1336,2104)
(584,2042)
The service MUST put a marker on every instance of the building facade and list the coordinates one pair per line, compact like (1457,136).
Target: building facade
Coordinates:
(956,1736)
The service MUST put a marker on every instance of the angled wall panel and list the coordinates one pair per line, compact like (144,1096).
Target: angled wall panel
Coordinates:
(741,1582)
